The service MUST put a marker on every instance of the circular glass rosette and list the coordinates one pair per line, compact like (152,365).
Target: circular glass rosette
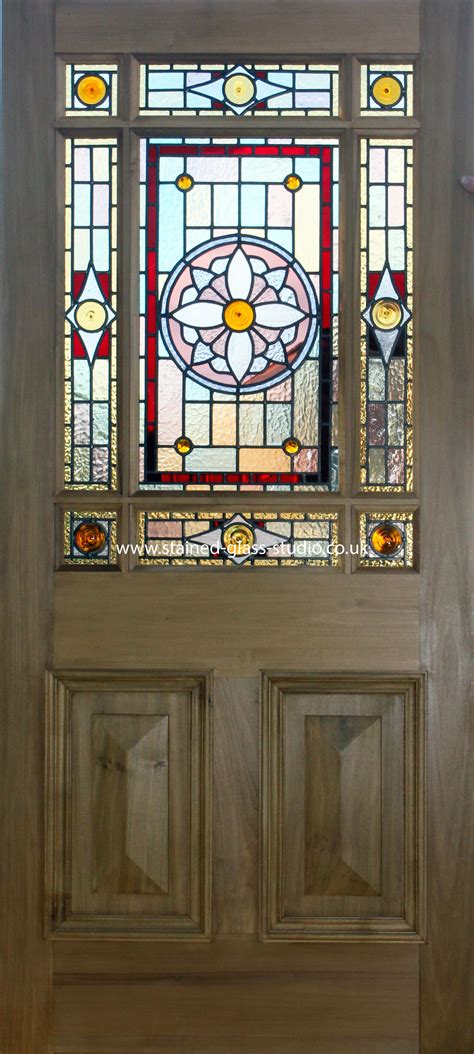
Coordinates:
(387,90)
(91,90)
(90,537)
(239,314)
(386,539)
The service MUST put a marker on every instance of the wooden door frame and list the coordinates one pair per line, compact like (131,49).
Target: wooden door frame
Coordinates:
(446,269)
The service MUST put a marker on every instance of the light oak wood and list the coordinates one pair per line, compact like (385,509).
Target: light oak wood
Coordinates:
(128,806)
(336,826)
(446,325)
(27,486)
(317,26)
(328,621)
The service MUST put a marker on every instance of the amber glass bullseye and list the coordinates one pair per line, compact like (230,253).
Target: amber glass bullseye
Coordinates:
(239,315)
(386,314)
(91,89)
(293,182)
(184,182)
(89,537)
(183,445)
(387,90)
(238,539)
(386,539)
(291,446)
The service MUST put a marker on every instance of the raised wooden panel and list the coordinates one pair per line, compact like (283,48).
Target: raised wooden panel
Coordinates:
(128,783)
(343,827)
(130,818)
(342,808)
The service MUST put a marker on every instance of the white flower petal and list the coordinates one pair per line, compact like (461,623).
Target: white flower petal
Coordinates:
(277,316)
(239,276)
(203,314)
(239,354)
(276,277)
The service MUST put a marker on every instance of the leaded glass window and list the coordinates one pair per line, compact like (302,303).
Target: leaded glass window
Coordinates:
(213,340)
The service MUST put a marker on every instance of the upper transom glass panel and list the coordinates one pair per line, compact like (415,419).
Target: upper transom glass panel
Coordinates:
(235,89)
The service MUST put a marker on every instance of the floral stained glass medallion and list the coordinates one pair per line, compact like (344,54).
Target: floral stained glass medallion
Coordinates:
(239,292)
(90,313)
(240,89)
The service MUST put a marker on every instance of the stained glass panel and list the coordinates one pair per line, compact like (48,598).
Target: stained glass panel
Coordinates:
(91,89)
(386,447)
(219,90)
(243,539)
(386,90)
(238,313)
(386,539)
(89,538)
(90,318)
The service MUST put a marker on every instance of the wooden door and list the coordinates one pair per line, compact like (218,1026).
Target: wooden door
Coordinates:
(230,851)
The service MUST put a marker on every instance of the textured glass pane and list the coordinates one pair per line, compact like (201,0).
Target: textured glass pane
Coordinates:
(216,90)
(91,305)
(386,324)
(238,348)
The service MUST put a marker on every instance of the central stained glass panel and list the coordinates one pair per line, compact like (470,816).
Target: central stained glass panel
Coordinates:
(238,311)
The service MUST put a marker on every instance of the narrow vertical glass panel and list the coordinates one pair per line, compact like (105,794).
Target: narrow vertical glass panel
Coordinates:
(386,539)
(216,90)
(89,538)
(91,89)
(244,539)
(238,314)
(386,90)
(386,441)
(90,314)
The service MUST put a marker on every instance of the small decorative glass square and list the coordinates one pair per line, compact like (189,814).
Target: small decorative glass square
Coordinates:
(248,539)
(386,539)
(91,89)
(386,90)
(90,538)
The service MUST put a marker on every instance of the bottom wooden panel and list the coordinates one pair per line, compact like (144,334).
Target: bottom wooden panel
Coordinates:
(230,997)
